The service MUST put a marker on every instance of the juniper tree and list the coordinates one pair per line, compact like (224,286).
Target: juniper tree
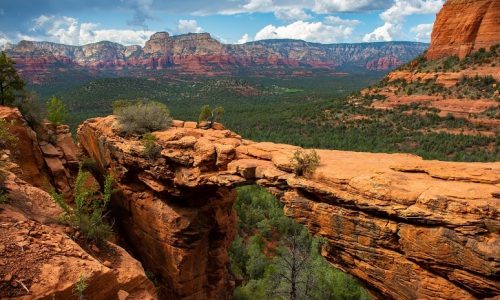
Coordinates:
(11,85)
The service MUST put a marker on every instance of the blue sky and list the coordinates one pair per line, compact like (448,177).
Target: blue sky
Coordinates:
(231,21)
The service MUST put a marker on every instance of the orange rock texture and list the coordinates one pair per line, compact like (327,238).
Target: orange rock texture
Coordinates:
(464,26)
(39,259)
(407,228)
(46,158)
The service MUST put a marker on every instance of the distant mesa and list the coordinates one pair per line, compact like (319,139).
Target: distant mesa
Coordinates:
(200,54)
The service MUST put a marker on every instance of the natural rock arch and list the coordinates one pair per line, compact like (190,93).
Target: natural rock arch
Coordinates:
(407,228)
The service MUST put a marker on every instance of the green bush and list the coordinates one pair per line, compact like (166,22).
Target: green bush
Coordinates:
(80,287)
(151,150)
(305,163)
(88,215)
(6,138)
(56,111)
(142,117)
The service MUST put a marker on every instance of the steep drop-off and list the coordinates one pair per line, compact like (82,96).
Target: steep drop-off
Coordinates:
(39,258)
(407,228)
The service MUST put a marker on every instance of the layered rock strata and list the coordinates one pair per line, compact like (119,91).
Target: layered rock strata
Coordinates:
(464,26)
(203,55)
(39,259)
(405,227)
(47,158)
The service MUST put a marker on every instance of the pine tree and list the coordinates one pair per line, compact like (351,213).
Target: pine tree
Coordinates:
(11,85)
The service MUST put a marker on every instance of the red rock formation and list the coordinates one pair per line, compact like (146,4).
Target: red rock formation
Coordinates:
(407,228)
(201,54)
(38,260)
(463,26)
(45,159)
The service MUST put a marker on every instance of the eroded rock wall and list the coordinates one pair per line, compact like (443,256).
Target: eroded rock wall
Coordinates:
(464,26)
(46,159)
(407,228)
(39,258)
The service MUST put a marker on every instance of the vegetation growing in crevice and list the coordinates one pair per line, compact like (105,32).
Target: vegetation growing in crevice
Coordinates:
(151,150)
(275,258)
(210,115)
(89,212)
(80,287)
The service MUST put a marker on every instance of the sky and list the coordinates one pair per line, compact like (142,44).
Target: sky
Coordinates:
(132,22)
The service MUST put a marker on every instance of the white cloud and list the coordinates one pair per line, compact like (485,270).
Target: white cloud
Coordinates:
(291,14)
(62,29)
(308,31)
(382,33)
(402,8)
(3,39)
(422,32)
(68,30)
(244,39)
(334,20)
(329,6)
(395,15)
(258,5)
(188,26)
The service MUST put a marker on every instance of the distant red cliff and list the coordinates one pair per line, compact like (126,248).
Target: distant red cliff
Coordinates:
(201,54)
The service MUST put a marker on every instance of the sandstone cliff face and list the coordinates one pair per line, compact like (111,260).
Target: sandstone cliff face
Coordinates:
(407,228)
(49,158)
(464,26)
(39,258)
(202,55)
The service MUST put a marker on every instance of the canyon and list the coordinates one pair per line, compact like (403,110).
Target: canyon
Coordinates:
(405,227)
(200,54)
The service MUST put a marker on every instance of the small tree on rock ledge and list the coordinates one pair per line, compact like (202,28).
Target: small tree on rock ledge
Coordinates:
(210,115)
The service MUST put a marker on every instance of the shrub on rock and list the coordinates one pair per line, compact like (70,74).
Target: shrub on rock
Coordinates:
(142,117)
(304,163)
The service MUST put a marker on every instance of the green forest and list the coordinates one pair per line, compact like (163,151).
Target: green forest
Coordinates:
(313,112)
(273,257)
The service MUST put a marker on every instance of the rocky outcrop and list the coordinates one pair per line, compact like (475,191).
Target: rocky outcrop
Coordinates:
(39,259)
(48,158)
(203,55)
(464,26)
(407,228)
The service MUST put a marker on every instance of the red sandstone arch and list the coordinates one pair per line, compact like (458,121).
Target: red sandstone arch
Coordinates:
(406,227)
